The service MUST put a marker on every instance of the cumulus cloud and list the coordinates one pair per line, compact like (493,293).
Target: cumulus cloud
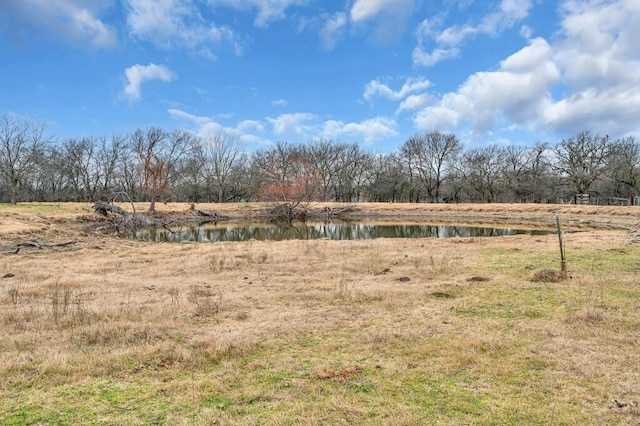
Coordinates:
(592,65)
(177,23)
(76,21)
(519,91)
(425,59)
(298,123)
(413,102)
(376,88)
(390,17)
(370,130)
(598,53)
(448,40)
(248,131)
(138,74)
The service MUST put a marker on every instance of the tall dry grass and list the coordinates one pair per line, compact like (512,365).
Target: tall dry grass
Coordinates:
(331,332)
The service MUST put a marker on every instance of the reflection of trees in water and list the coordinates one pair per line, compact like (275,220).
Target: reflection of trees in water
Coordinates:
(279,231)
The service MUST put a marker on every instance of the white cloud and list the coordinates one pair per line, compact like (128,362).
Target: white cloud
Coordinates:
(389,17)
(77,21)
(247,125)
(375,88)
(268,10)
(370,130)
(519,92)
(363,10)
(447,41)
(279,102)
(248,131)
(331,30)
(592,65)
(612,111)
(303,126)
(598,53)
(299,123)
(426,59)
(137,74)
(177,23)
(413,102)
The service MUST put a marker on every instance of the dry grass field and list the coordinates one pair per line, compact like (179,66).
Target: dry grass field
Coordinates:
(388,331)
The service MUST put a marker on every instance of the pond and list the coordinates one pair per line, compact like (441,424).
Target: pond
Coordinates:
(334,230)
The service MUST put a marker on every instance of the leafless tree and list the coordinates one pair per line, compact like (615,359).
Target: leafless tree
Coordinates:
(483,173)
(280,174)
(327,156)
(623,167)
(541,183)
(158,154)
(22,140)
(431,155)
(582,159)
(222,157)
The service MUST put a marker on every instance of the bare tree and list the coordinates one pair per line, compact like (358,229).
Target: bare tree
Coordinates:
(391,181)
(21,142)
(582,159)
(81,167)
(540,180)
(222,156)
(110,157)
(431,155)
(483,173)
(327,157)
(283,173)
(623,167)
(515,171)
(158,154)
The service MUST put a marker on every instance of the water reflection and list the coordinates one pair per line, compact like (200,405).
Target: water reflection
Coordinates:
(335,230)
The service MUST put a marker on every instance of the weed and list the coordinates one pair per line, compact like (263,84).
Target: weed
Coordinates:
(216,262)
(442,264)
(175,293)
(206,300)
(14,295)
(60,300)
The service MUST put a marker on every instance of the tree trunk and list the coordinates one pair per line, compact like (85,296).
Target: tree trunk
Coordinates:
(14,191)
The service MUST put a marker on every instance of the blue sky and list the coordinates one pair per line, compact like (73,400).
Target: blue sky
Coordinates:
(373,72)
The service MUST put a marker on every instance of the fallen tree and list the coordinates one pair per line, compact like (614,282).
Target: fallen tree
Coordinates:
(298,211)
(122,218)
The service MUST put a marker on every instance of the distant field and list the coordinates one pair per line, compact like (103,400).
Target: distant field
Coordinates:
(388,331)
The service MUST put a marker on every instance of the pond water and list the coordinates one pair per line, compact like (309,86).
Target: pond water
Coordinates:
(334,230)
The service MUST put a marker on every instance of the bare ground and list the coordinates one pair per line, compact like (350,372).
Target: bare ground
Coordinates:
(387,331)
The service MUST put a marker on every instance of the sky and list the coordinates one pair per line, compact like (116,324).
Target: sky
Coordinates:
(372,72)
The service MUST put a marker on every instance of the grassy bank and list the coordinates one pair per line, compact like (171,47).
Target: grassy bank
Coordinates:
(412,331)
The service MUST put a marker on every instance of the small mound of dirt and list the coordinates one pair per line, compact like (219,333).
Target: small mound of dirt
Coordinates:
(403,279)
(442,295)
(477,279)
(547,276)
(340,376)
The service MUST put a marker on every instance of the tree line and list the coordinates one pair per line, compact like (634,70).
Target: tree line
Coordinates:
(154,165)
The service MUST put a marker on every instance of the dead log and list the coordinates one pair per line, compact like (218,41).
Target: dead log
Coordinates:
(103,208)
(39,245)
(207,213)
(124,219)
